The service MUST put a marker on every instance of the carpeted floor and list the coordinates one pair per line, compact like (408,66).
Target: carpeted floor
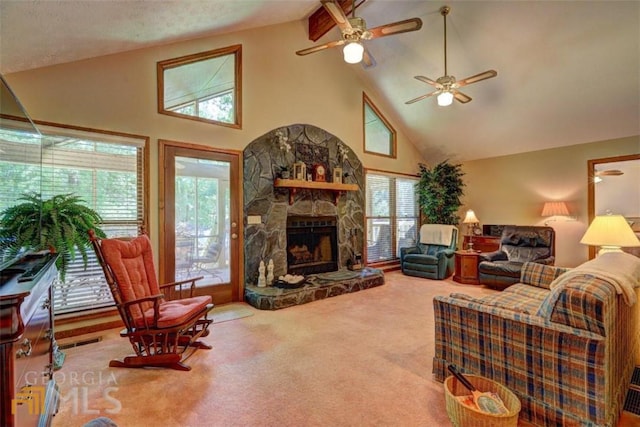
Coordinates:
(360,359)
(233,311)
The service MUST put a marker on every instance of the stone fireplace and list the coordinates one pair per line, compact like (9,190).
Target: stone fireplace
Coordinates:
(337,217)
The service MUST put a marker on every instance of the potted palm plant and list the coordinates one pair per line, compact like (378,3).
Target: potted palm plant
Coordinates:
(59,224)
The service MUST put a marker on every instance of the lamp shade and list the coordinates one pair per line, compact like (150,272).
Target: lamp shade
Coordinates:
(611,232)
(353,52)
(555,209)
(470,218)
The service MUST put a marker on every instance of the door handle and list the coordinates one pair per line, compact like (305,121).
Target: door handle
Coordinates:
(234,236)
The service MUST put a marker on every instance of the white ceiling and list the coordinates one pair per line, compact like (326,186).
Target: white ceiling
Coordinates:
(568,71)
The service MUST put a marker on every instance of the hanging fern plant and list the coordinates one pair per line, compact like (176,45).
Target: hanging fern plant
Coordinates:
(439,190)
(59,224)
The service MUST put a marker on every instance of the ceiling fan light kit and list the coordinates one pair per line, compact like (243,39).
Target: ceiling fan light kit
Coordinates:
(447,86)
(353,52)
(354,31)
(445,98)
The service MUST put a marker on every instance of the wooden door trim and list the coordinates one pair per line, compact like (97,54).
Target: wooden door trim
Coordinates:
(236,212)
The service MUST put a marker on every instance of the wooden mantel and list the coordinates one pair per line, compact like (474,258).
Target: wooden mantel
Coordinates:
(295,184)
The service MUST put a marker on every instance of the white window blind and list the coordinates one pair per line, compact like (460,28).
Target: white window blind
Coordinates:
(391,215)
(106,171)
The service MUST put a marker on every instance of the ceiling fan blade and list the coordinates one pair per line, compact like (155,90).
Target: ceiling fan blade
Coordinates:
(461,97)
(420,98)
(320,47)
(427,80)
(610,172)
(337,14)
(412,24)
(478,77)
(368,61)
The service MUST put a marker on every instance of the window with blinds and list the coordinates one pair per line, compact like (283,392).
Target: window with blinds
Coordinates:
(105,170)
(391,215)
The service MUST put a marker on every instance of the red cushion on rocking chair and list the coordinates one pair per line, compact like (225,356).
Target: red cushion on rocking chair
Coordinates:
(176,312)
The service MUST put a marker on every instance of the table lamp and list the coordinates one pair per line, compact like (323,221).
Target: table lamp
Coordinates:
(471,220)
(611,233)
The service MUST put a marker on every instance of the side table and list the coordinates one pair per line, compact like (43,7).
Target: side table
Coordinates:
(466,267)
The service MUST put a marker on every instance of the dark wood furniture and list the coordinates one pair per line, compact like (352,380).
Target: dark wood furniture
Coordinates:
(29,395)
(466,267)
(482,243)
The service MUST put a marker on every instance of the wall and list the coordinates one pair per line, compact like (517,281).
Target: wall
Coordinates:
(512,189)
(118,93)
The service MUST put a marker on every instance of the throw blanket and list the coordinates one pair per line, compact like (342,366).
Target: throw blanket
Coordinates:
(436,234)
(620,269)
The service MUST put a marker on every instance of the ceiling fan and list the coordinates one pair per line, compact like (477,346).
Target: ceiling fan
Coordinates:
(354,31)
(447,86)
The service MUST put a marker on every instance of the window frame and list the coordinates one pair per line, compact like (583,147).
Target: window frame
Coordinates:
(366,102)
(168,64)
(103,136)
(393,217)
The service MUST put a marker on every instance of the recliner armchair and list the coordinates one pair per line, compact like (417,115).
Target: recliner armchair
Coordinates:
(518,244)
(432,257)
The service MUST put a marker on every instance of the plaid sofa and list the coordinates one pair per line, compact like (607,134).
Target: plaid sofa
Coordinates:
(567,353)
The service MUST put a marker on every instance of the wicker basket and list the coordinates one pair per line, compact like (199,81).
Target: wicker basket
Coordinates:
(465,416)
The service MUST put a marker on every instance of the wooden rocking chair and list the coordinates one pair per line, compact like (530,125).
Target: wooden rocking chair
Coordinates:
(159,327)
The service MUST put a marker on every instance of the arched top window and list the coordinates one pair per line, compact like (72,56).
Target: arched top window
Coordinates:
(379,135)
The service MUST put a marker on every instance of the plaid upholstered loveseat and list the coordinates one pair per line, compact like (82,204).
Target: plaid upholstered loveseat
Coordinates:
(567,352)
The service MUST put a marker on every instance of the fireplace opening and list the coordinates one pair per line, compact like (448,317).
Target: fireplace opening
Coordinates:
(312,244)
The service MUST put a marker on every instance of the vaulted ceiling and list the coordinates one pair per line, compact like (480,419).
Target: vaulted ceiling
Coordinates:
(568,71)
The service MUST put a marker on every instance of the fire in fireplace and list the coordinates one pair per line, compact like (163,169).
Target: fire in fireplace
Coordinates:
(312,244)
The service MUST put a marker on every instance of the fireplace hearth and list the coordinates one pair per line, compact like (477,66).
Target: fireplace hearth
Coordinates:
(311,244)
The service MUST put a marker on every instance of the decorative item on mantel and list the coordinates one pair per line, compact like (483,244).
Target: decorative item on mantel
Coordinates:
(284,172)
(300,171)
(283,141)
(337,175)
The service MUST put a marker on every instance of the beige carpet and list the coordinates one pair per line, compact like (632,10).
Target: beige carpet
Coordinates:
(362,359)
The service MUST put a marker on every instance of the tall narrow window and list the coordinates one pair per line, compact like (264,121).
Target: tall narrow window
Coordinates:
(105,170)
(205,86)
(379,135)
(391,215)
